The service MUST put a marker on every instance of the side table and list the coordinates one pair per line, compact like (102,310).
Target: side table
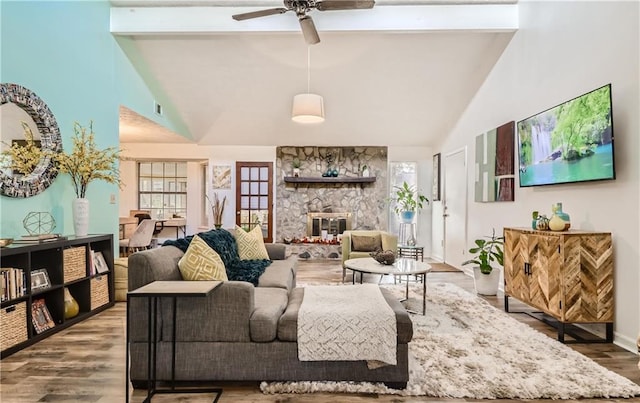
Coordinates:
(411,252)
(152,292)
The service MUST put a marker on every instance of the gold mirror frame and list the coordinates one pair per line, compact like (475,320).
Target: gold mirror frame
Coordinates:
(44,173)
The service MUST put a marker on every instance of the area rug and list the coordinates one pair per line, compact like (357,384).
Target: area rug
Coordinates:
(465,348)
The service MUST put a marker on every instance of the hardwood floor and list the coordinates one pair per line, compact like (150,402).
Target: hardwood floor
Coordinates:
(85,363)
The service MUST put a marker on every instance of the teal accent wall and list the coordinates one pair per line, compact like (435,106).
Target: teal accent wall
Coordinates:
(63,51)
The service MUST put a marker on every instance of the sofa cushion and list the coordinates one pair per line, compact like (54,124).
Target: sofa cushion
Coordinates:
(269,305)
(251,244)
(280,274)
(367,243)
(288,323)
(200,262)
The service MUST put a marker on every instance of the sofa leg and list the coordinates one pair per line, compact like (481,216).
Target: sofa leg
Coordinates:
(396,385)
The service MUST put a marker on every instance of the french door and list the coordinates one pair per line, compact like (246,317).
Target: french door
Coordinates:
(254,197)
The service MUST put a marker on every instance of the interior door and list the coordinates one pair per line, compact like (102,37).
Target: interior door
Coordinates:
(254,197)
(455,207)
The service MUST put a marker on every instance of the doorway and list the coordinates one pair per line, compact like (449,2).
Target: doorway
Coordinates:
(455,207)
(254,197)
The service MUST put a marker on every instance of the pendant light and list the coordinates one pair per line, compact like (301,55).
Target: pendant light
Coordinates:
(308,108)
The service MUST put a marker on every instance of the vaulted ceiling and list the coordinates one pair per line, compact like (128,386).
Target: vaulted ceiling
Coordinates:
(398,74)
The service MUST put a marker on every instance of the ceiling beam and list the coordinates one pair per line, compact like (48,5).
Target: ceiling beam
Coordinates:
(408,18)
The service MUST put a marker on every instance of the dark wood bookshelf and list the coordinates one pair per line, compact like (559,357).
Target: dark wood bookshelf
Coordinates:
(49,255)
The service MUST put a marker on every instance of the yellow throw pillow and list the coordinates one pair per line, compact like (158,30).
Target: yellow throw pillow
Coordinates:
(200,262)
(250,244)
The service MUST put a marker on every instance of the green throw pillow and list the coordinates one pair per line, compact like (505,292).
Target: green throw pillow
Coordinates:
(200,262)
(250,244)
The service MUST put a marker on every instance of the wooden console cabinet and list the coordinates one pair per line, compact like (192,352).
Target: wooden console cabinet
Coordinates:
(68,265)
(567,275)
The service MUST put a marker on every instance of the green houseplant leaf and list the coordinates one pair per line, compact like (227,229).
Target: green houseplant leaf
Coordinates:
(407,198)
(487,251)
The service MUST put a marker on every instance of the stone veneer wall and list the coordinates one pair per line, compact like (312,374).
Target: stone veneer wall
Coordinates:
(367,203)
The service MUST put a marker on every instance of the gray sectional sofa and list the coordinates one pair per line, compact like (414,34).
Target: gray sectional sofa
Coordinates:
(241,332)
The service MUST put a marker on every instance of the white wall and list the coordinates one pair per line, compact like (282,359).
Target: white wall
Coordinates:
(562,50)
(423,157)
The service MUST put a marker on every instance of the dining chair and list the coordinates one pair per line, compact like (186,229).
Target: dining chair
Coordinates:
(140,239)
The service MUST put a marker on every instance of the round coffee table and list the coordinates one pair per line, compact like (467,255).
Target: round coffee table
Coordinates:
(401,267)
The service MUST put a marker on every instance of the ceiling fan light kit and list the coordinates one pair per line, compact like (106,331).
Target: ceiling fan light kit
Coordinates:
(308,108)
(302,7)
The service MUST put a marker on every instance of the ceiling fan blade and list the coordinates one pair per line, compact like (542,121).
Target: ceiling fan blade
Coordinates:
(309,30)
(328,5)
(261,13)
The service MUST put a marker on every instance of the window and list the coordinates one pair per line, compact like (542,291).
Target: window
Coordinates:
(400,172)
(162,188)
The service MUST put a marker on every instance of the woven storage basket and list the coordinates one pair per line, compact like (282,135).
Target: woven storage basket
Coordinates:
(14,325)
(75,263)
(99,291)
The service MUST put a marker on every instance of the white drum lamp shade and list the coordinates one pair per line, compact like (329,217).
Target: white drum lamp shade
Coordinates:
(308,108)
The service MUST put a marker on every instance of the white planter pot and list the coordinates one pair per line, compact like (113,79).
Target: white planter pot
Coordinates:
(486,284)
(81,216)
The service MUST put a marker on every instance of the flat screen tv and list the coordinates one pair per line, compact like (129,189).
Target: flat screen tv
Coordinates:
(571,142)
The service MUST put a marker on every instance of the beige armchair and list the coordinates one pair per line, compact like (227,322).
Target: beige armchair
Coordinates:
(357,244)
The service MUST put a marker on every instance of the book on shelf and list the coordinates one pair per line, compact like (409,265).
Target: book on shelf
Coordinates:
(40,316)
(39,238)
(13,284)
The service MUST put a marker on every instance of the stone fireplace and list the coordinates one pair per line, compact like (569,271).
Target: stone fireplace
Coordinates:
(311,202)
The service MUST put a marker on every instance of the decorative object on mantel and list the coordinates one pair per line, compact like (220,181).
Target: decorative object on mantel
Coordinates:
(38,223)
(296,164)
(16,181)
(308,108)
(408,200)
(559,220)
(365,171)
(84,164)
(217,209)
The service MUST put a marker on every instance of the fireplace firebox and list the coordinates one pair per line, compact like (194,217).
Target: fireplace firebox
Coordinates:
(333,223)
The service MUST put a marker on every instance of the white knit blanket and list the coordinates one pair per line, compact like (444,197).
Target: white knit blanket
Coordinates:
(346,323)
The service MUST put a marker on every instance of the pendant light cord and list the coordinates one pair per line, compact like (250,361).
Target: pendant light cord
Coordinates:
(308,69)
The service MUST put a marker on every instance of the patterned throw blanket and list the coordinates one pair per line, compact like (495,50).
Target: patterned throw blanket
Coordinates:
(346,323)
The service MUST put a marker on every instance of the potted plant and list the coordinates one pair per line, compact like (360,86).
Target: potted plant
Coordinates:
(296,164)
(85,164)
(487,251)
(408,200)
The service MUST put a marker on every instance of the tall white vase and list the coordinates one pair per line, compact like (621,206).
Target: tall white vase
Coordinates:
(81,216)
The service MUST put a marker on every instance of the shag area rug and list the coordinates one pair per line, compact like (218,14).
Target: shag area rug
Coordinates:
(465,348)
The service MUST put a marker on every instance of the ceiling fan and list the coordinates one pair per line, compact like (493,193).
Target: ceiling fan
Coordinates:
(301,7)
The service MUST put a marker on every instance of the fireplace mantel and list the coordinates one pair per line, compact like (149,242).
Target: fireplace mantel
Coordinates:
(329,180)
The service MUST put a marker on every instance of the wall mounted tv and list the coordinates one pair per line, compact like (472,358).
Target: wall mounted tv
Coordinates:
(571,142)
